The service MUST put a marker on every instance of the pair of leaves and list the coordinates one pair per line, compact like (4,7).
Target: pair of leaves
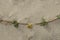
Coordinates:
(15,23)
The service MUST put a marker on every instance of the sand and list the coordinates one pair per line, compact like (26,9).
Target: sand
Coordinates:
(21,10)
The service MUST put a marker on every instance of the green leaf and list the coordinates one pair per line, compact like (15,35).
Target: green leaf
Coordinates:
(16,24)
(44,22)
(58,16)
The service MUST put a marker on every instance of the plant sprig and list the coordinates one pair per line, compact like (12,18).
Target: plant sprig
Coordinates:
(29,25)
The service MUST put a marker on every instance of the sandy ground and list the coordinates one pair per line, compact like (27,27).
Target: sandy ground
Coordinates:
(33,9)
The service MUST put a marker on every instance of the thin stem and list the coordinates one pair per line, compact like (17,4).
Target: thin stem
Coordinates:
(48,21)
(53,20)
(27,23)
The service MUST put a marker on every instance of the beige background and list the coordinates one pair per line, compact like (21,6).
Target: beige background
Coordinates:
(33,9)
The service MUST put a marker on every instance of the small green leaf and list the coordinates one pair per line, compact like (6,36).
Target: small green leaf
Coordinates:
(16,24)
(58,16)
(44,22)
